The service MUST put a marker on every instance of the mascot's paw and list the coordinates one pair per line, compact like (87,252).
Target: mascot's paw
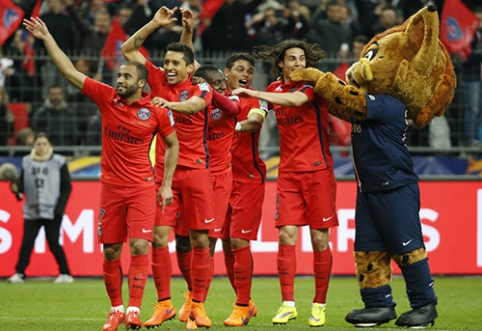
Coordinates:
(419,317)
(369,317)
(309,75)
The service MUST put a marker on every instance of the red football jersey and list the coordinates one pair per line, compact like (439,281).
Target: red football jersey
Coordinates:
(247,165)
(191,129)
(127,133)
(303,131)
(220,138)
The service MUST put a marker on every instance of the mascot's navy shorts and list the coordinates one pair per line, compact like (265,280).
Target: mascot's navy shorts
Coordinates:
(389,221)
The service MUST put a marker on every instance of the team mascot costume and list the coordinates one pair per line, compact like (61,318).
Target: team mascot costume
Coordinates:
(403,74)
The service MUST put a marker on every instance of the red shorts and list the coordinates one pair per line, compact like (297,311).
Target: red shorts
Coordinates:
(222,185)
(193,198)
(126,212)
(306,198)
(244,212)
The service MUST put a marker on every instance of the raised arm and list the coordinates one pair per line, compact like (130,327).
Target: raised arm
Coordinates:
(130,48)
(188,31)
(286,99)
(39,30)
(164,195)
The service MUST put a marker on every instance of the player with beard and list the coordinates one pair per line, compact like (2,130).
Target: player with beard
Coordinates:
(306,189)
(172,88)
(247,195)
(128,196)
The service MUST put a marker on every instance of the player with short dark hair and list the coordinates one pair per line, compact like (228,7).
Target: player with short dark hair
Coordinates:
(247,196)
(306,189)
(128,196)
(171,87)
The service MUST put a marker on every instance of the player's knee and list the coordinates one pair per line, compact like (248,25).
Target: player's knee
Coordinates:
(287,235)
(239,243)
(412,257)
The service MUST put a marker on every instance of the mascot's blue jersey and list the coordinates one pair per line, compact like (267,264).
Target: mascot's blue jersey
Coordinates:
(380,156)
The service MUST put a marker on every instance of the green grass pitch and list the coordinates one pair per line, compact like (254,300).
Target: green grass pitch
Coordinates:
(40,305)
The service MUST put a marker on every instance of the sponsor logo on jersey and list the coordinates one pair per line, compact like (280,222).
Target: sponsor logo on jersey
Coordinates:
(184,95)
(143,114)
(216,114)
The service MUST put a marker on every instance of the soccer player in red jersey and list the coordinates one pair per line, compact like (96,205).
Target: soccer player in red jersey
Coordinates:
(128,196)
(246,200)
(222,120)
(173,89)
(306,189)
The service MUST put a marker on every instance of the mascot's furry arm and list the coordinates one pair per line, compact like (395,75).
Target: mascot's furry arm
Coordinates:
(344,101)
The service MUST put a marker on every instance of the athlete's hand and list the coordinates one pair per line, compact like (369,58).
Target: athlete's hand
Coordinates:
(198,80)
(244,92)
(160,102)
(36,27)
(187,19)
(164,196)
(164,16)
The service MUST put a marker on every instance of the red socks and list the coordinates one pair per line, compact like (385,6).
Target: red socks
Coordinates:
(322,262)
(162,272)
(211,274)
(243,273)
(113,281)
(200,267)
(287,270)
(138,273)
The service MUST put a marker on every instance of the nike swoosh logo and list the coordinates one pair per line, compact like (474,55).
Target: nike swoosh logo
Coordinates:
(146,231)
(406,243)
(246,231)
(217,230)
(315,319)
(327,219)
(209,221)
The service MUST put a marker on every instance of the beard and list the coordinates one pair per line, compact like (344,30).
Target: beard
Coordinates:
(127,92)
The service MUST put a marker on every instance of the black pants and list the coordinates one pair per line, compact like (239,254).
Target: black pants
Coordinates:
(31,229)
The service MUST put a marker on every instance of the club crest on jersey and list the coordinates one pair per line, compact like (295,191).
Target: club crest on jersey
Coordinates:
(263,105)
(183,95)
(143,114)
(216,114)
(171,118)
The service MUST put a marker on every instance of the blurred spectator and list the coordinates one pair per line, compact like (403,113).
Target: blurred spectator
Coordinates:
(94,131)
(82,106)
(353,53)
(23,138)
(6,68)
(21,84)
(7,118)
(294,8)
(387,18)
(275,26)
(330,33)
(350,20)
(88,9)
(227,31)
(409,7)
(61,28)
(56,118)
(471,82)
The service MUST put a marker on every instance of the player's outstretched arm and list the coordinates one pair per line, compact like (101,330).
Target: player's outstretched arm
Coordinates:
(188,107)
(164,195)
(295,99)
(130,48)
(39,30)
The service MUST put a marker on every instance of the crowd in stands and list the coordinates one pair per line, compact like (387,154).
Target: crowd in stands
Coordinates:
(81,27)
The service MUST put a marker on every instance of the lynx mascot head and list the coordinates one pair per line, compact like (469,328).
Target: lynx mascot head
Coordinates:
(408,62)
